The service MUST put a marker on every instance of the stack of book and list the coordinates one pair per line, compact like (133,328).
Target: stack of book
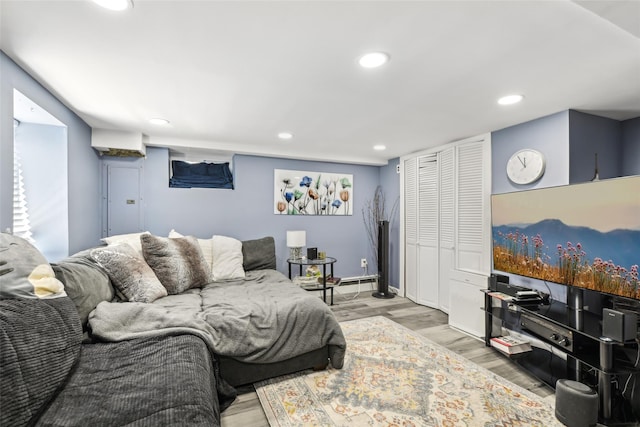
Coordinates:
(510,345)
(501,296)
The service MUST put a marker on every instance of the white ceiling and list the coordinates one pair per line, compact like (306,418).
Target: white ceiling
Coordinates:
(230,75)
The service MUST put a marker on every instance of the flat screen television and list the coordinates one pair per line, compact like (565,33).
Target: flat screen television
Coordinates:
(582,235)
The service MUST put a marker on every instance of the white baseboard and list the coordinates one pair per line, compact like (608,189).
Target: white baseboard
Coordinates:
(356,284)
(367,284)
(359,279)
(353,288)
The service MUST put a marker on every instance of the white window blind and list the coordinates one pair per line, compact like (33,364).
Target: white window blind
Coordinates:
(21,224)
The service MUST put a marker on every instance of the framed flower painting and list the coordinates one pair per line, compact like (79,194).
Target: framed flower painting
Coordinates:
(312,193)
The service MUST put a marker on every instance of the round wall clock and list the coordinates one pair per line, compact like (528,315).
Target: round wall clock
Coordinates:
(525,166)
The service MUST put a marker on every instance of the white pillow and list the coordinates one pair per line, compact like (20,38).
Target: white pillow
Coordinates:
(227,258)
(205,245)
(131,239)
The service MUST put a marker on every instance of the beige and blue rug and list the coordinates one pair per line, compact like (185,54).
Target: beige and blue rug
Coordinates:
(395,377)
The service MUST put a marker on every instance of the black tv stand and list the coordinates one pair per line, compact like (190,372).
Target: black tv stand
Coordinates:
(570,334)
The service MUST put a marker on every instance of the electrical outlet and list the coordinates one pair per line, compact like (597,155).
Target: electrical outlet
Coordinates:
(363,263)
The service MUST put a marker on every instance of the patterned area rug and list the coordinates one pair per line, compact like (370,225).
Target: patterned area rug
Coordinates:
(395,377)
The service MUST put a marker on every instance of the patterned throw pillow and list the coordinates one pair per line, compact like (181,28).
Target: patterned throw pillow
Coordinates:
(177,262)
(205,245)
(25,272)
(129,273)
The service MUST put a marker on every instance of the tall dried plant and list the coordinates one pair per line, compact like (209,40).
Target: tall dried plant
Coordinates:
(373,212)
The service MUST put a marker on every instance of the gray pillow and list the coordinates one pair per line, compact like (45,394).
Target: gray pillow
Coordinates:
(178,263)
(129,273)
(259,254)
(85,282)
(25,272)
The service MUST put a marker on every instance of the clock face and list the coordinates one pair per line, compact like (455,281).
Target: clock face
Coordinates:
(525,166)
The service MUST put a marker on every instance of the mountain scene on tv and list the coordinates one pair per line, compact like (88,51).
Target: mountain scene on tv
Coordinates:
(584,235)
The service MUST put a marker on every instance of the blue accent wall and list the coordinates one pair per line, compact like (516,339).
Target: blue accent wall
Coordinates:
(247,211)
(631,147)
(83,161)
(569,141)
(549,135)
(588,135)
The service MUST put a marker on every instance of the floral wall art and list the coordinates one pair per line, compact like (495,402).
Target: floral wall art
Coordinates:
(312,193)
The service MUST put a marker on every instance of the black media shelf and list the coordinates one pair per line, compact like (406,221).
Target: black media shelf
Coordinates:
(572,348)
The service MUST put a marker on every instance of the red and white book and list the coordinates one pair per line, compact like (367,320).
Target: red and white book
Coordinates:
(501,296)
(510,345)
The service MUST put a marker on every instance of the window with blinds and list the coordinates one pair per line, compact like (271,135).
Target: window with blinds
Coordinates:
(21,224)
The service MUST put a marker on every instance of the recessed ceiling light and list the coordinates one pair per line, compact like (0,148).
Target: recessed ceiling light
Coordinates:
(158,121)
(285,135)
(510,99)
(379,147)
(373,59)
(118,5)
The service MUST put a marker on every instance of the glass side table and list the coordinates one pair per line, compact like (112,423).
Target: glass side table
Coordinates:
(328,261)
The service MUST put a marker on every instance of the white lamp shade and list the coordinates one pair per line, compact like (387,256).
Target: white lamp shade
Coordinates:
(296,239)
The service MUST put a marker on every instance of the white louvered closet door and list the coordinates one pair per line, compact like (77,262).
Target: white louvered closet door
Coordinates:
(471,207)
(447,242)
(447,167)
(428,234)
(472,241)
(410,176)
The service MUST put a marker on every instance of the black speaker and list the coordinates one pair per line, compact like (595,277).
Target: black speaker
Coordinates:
(576,404)
(494,279)
(620,326)
(312,253)
(383,261)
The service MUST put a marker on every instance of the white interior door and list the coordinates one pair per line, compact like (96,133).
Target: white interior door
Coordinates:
(410,211)
(471,233)
(124,209)
(428,223)
(411,272)
(447,174)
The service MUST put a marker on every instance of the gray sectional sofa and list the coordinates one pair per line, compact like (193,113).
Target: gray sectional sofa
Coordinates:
(88,354)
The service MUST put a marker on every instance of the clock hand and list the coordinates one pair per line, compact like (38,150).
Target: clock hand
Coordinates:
(523,163)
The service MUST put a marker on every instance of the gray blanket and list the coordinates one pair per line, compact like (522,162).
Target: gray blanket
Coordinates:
(160,381)
(263,318)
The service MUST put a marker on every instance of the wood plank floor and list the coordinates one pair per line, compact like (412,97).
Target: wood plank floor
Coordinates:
(246,410)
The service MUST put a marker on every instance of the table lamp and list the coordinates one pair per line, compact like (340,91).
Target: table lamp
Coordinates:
(295,241)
